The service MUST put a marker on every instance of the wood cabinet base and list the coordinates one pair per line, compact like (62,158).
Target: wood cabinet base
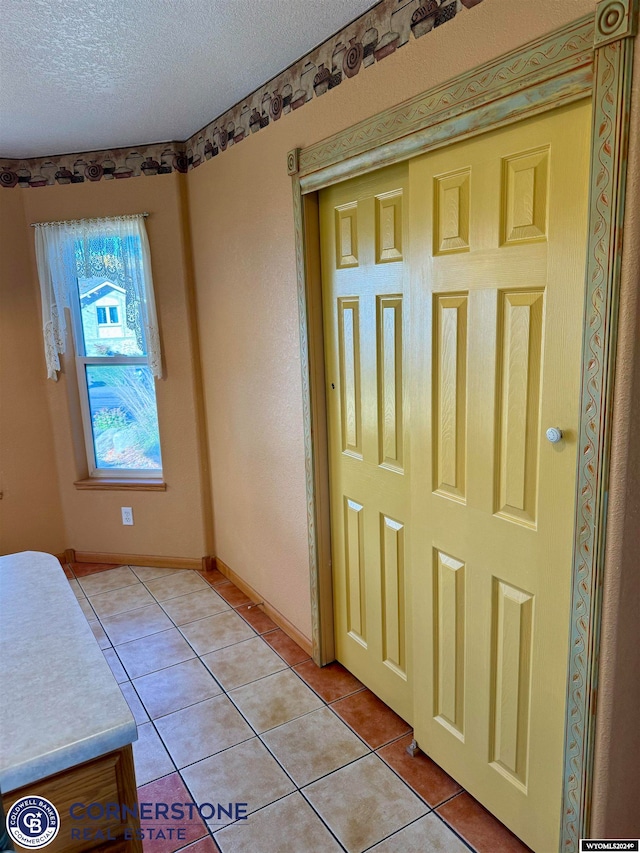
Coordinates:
(107,780)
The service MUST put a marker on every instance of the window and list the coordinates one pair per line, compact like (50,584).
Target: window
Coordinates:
(111,318)
(117,390)
(105,282)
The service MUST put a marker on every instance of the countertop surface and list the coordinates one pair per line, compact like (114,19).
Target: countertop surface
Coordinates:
(60,704)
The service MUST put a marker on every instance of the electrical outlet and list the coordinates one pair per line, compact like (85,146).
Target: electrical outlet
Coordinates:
(127,515)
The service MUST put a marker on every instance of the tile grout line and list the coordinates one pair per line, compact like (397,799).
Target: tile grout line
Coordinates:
(310,686)
(278,800)
(151,719)
(396,832)
(257,735)
(370,749)
(220,648)
(224,693)
(393,770)
(450,828)
(298,788)
(133,609)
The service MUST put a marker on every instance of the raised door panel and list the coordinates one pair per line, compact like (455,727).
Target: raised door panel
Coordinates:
(346,218)
(390,391)
(524,196)
(449,642)
(389,227)
(451,212)
(450,395)
(349,371)
(354,561)
(519,354)
(512,633)
(394,629)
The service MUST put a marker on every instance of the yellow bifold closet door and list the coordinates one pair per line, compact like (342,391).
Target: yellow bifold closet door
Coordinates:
(453,330)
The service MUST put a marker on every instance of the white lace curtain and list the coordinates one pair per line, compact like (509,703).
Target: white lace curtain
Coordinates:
(116,248)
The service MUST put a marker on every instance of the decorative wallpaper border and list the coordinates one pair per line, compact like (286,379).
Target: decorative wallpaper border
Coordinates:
(117,163)
(367,40)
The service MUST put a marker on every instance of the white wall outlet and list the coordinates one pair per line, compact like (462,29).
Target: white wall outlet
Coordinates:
(127,515)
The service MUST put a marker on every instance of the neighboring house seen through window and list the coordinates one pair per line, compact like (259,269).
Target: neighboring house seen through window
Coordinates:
(105,282)
(104,318)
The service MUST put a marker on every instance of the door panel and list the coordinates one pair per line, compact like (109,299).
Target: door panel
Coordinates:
(450,395)
(497,239)
(363,232)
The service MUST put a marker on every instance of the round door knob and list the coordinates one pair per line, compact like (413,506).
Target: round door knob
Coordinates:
(554,435)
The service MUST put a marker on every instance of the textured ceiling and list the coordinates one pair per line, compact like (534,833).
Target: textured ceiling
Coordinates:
(81,75)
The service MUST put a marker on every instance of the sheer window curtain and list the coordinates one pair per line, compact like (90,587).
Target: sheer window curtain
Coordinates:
(116,248)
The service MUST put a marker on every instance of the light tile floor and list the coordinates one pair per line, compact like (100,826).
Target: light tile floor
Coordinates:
(230,709)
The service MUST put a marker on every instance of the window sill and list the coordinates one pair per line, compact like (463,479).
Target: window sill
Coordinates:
(121,484)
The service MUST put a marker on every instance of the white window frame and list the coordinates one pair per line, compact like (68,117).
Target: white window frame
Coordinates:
(81,361)
(107,314)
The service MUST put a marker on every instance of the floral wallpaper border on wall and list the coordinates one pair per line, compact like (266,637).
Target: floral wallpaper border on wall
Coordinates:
(367,40)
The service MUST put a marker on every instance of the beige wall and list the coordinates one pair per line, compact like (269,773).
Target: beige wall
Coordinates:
(170,523)
(242,229)
(30,509)
(240,213)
